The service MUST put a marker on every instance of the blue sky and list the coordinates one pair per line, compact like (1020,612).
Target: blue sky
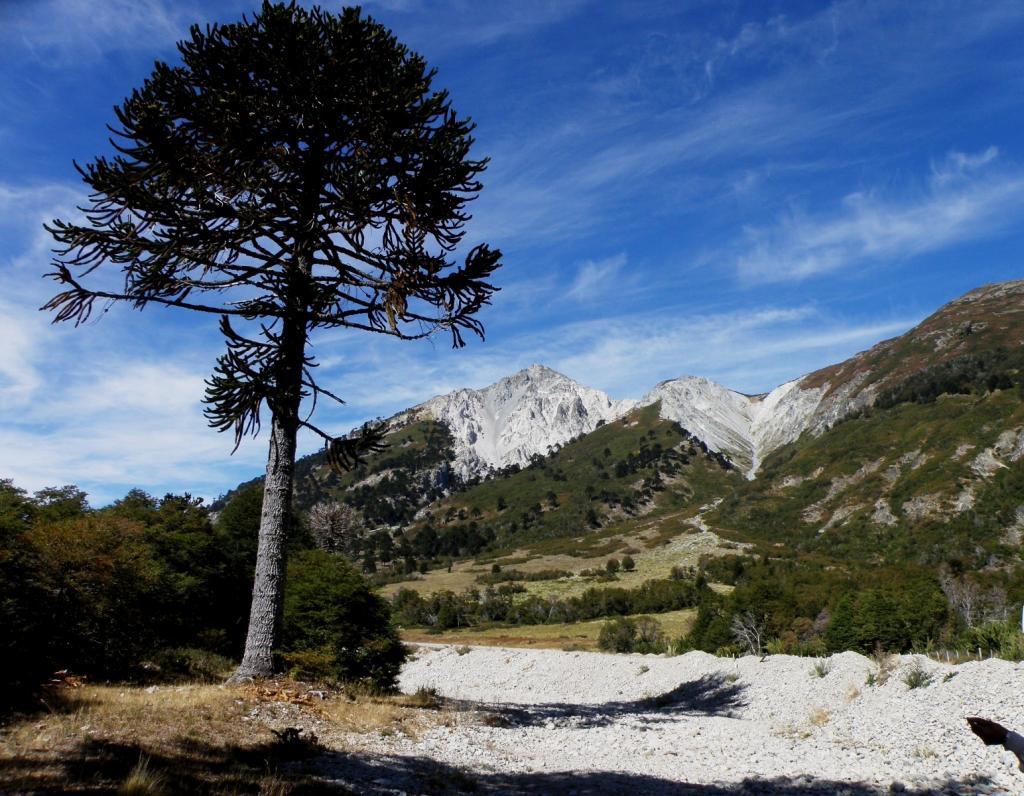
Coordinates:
(746,191)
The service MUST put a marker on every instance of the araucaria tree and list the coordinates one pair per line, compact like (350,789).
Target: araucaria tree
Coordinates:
(296,172)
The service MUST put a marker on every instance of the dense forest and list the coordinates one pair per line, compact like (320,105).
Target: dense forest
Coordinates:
(150,588)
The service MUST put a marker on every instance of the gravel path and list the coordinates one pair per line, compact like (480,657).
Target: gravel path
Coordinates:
(543,721)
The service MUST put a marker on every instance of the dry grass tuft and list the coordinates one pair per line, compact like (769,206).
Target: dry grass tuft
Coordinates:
(425,697)
(885,664)
(142,781)
(819,717)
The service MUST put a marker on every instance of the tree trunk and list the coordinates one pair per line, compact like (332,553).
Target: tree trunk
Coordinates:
(275,518)
(268,586)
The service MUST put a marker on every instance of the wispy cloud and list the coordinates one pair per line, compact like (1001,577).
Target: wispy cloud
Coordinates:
(595,277)
(961,165)
(469,25)
(59,32)
(23,211)
(963,201)
(584,181)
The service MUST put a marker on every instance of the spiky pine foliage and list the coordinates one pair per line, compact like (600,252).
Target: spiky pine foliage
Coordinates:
(296,172)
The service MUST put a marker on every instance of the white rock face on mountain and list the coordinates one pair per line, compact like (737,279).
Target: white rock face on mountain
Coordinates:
(782,415)
(718,416)
(743,428)
(518,417)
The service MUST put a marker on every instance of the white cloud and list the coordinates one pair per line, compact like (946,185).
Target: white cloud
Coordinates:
(401,6)
(19,377)
(588,180)
(83,406)
(962,203)
(23,211)
(960,165)
(472,25)
(596,277)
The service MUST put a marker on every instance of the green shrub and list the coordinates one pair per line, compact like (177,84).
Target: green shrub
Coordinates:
(1004,639)
(650,637)
(617,635)
(624,634)
(335,625)
(426,697)
(100,594)
(312,664)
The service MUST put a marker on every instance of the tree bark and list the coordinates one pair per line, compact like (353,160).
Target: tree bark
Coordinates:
(268,585)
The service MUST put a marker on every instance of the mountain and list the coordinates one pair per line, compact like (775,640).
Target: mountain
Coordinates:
(518,417)
(537,409)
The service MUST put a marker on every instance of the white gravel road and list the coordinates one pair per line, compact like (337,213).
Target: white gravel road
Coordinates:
(544,721)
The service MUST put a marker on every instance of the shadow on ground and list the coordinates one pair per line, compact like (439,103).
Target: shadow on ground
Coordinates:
(190,766)
(711,695)
(393,775)
(281,768)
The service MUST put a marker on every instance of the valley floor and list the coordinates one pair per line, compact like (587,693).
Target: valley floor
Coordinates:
(546,721)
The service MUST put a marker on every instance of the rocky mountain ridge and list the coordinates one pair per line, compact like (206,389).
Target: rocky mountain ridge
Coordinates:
(516,418)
